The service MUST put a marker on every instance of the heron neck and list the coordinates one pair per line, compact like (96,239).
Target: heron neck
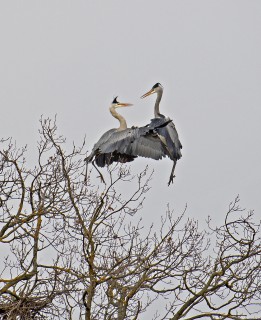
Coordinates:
(123,123)
(156,108)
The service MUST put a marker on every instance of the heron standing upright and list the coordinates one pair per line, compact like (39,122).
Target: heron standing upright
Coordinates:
(167,133)
(105,151)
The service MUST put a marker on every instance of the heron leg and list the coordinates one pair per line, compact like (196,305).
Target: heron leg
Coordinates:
(101,176)
(171,177)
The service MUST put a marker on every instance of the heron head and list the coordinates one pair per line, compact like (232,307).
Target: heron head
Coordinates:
(156,88)
(116,104)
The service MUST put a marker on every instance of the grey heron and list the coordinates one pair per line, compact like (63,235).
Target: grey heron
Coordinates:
(124,144)
(104,151)
(167,133)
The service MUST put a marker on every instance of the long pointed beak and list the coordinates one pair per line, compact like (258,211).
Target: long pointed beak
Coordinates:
(148,93)
(121,104)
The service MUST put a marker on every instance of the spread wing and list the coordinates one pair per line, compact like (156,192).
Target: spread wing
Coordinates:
(147,145)
(96,148)
(143,142)
(109,148)
(103,159)
(156,140)
(118,141)
(170,136)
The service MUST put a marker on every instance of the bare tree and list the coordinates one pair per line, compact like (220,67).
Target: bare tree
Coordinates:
(75,248)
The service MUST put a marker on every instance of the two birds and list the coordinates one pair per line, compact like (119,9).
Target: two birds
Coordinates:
(156,140)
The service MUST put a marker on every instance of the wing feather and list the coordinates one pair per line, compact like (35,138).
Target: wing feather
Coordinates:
(156,140)
(173,143)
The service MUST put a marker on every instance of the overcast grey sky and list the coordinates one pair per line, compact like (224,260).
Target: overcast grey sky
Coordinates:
(71,58)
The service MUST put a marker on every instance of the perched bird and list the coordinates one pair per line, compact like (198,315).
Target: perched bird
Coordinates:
(124,144)
(167,133)
(105,151)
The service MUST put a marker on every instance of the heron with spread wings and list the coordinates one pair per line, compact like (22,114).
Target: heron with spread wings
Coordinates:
(167,133)
(124,144)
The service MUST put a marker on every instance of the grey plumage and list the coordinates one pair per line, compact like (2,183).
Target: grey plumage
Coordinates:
(173,143)
(167,131)
(125,144)
(156,140)
(105,152)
